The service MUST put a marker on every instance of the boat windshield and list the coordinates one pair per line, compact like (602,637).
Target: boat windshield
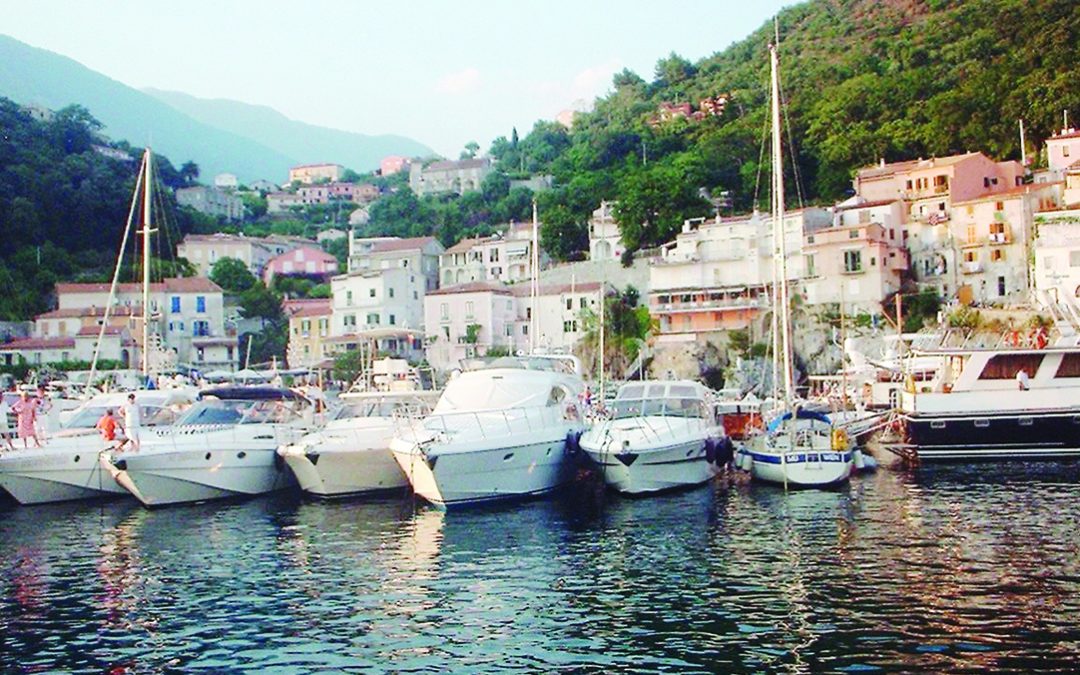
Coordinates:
(150,415)
(374,408)
(240,411)
(664,407)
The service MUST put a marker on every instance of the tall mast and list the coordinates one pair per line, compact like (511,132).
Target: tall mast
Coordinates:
(146,232)
(778,228)
(534,288)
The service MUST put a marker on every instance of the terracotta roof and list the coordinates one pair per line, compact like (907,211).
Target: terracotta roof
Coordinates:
(523,291)
(1011,192)
(474,287)
(174,285)
(39,343)
(309,254)
(308,307)
(400,244)
(94,331)
(1069,133)
(464,245)
(312,166)
(87,312)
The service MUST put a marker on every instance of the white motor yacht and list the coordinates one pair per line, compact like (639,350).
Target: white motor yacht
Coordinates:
(662,435)
(505,430)
(225,445)
(66,467)
(351,454)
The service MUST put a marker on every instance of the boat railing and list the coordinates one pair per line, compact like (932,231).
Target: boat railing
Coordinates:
(493,422)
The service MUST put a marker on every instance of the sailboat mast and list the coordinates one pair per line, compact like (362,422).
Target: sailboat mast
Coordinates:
(146,232)
(778,228)
(534,288)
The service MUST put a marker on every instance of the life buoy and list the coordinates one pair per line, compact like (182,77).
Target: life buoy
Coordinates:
(839,439)
(1038,338)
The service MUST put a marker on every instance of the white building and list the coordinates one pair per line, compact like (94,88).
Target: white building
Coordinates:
(203,250)
(1057,254)
(505,257)
(212,201)
(368,299)
(467,320)
(226,181)
(418,254)
(605,239)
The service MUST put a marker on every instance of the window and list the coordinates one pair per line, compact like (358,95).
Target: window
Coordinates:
(581,302)
(873,261)
(494,257)
(348,298)
(569,326)
(524,329)
(528,313)
(390,292)
(854,234)
(200,328)
(305,327)
(1065,151)
(1074,258)
(444,311)
(415,295)
(392,320)
(175,302)
(324,326)
(971,235)
(1001,287)
(371,292)
(864,217)
(199,356)
(569,303)
(810,270)
(852,261)
(999,206)
(349,320)
(373,319)
(469,310)
(200,304)
(971,256)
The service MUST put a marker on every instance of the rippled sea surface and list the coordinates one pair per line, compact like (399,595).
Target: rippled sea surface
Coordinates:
(946,569)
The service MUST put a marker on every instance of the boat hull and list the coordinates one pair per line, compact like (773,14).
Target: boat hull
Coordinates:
(813,469)
(449,476)
(654,469)
(45,476)
(183,476)
(342,473)
(1008,435)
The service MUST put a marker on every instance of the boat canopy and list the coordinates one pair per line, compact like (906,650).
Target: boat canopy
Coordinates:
(802,414)
(252,394)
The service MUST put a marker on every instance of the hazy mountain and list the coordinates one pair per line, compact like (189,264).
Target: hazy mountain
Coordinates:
(307,142)
(29,75)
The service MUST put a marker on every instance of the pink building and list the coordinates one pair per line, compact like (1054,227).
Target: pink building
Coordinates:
(393,164)
(1062,151)
(306,261)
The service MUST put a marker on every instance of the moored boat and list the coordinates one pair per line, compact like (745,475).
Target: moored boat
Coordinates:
(224,446)
(662,435)
(503,431)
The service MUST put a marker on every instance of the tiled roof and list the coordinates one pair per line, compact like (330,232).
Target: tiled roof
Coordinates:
(94,331)
(464,245)
(190,285)
(308,307)
(453,165)
(39,343)
(400,244)
(474,287)
(174,285)
(1011,192)
(1070,133)
(87,312)
(523,290)
(312,166)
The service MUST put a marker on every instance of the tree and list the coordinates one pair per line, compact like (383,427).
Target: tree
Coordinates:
(471,148)
(232,275)
(626,326)
(347,365)
(189,172)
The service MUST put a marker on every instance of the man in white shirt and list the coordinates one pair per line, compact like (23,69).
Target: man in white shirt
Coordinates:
(1022,379)
(132,422)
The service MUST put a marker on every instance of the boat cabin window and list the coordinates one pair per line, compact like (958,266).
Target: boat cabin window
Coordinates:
(376,408)
(1070,366)
(151,416)
(662,407)
(216,411)
(556,396)
(1006,366)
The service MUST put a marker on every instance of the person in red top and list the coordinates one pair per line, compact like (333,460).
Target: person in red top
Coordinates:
(107,426)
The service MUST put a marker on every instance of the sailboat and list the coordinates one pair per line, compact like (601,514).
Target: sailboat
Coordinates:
(799,447)
(66,467)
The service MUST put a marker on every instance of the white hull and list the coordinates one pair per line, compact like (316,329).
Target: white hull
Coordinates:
(773,460)
(44,476)
(194,464)
(339,473)
(656,469)
(457,475)
(164,478)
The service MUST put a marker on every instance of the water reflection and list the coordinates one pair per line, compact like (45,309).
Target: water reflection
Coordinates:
(933,570)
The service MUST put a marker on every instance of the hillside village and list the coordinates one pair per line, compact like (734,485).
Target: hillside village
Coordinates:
(967,228)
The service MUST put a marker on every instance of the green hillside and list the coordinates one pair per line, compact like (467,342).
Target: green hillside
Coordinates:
(863,80)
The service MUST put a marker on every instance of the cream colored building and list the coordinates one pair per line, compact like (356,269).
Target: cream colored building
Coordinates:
(605,238)
(309,327)
(418,254)
(313,173)
(505,257)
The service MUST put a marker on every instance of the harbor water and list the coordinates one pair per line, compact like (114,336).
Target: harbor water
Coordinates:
(944,569)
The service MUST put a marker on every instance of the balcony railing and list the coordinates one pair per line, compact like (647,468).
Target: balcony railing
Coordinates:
(707,305)
(971,267)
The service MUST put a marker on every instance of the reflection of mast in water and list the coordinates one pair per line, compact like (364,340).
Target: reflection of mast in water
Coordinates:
(413,561)
(120,569)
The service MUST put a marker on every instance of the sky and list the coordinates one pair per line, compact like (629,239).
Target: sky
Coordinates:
(441,72)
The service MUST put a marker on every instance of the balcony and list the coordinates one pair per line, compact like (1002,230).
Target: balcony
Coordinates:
(969,267)
(726,304)
(1001,238)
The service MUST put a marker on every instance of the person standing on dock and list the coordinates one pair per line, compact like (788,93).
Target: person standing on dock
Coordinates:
(132,422)
(1022,379)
